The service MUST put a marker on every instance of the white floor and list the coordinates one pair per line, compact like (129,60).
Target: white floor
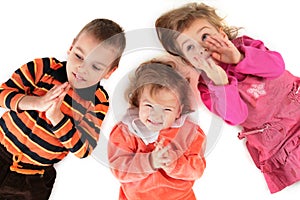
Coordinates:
(31,29)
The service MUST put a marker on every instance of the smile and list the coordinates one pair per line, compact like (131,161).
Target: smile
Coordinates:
(154,123)
(78,77)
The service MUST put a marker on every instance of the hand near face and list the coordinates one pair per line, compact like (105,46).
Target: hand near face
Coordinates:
(223,49)
(213,71)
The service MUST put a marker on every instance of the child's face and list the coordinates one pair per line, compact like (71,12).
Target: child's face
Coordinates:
(160,110)
(192,40)
(88,62)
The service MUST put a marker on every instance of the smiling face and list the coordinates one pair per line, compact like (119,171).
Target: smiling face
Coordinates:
(192,40)
(158,109)
(88,61)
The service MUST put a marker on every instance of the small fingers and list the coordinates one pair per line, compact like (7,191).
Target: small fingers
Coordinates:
(165,161)
(163,152)
(217,41)
(201,64)
(57,90)
(211,62)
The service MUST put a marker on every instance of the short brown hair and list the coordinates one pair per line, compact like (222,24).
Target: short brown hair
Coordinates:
(158,76)
(108,31)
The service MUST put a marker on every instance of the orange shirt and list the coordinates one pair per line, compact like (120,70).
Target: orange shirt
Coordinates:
(129,161)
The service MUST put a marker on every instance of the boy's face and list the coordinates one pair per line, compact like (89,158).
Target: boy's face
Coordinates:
(160,110)
(88,61)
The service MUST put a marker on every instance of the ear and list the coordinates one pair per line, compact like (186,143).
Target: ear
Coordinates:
(68,52)
(221,31)
(179,112)
(110,72)
(71,47)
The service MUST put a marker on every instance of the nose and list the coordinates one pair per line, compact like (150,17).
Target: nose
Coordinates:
(156,114)
(202,50)
(81,67)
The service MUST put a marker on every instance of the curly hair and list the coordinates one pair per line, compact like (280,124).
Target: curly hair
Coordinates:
(171,24)
(158,75)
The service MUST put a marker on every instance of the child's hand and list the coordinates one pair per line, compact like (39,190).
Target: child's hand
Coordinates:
(159,156)
(43,103)
(169,166)
(53,113)
(223,49)
(214,72)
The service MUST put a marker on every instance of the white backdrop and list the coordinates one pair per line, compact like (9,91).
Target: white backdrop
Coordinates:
(31,29)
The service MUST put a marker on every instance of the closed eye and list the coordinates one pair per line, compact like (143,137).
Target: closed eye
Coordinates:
(78,56)
(148,105)
(96,68)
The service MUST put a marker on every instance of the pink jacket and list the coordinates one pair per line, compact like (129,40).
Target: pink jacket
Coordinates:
(264,99)
(226,101)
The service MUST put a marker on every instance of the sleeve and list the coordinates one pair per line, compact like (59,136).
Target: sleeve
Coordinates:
(126,164)
(80,132)
(22,82)
(191,160)
(258,60)
(224,101)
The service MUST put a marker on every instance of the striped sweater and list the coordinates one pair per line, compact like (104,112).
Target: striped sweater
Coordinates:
(30,134)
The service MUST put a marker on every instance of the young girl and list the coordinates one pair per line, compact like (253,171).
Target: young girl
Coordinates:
(243,82)
(156,152)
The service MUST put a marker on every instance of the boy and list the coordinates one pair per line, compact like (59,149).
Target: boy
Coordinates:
(54,108)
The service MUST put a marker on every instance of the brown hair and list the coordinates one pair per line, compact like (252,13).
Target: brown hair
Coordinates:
(109,32)
(171,24)
(158,76)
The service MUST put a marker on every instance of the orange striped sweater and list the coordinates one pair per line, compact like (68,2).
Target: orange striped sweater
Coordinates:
(30,134)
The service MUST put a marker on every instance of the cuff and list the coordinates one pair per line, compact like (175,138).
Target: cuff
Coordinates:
(61,124)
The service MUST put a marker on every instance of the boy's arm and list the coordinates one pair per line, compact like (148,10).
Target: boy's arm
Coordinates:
(126,164)
(21,84)
(190,164)
(80,130)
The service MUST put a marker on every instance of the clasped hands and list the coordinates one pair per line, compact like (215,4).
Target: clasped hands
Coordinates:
(163,157)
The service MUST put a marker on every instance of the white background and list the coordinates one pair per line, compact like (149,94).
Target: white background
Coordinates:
(31,29)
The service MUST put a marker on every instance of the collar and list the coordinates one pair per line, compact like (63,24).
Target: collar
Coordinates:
(136,127)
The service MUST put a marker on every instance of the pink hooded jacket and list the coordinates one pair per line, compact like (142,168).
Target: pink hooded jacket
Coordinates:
(264,99)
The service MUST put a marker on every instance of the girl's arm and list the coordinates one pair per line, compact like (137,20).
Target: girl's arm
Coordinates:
(258,60)
(191,163)
(223,100)
(126,164)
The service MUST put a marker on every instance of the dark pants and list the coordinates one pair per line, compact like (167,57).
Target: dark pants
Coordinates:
(16,186)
